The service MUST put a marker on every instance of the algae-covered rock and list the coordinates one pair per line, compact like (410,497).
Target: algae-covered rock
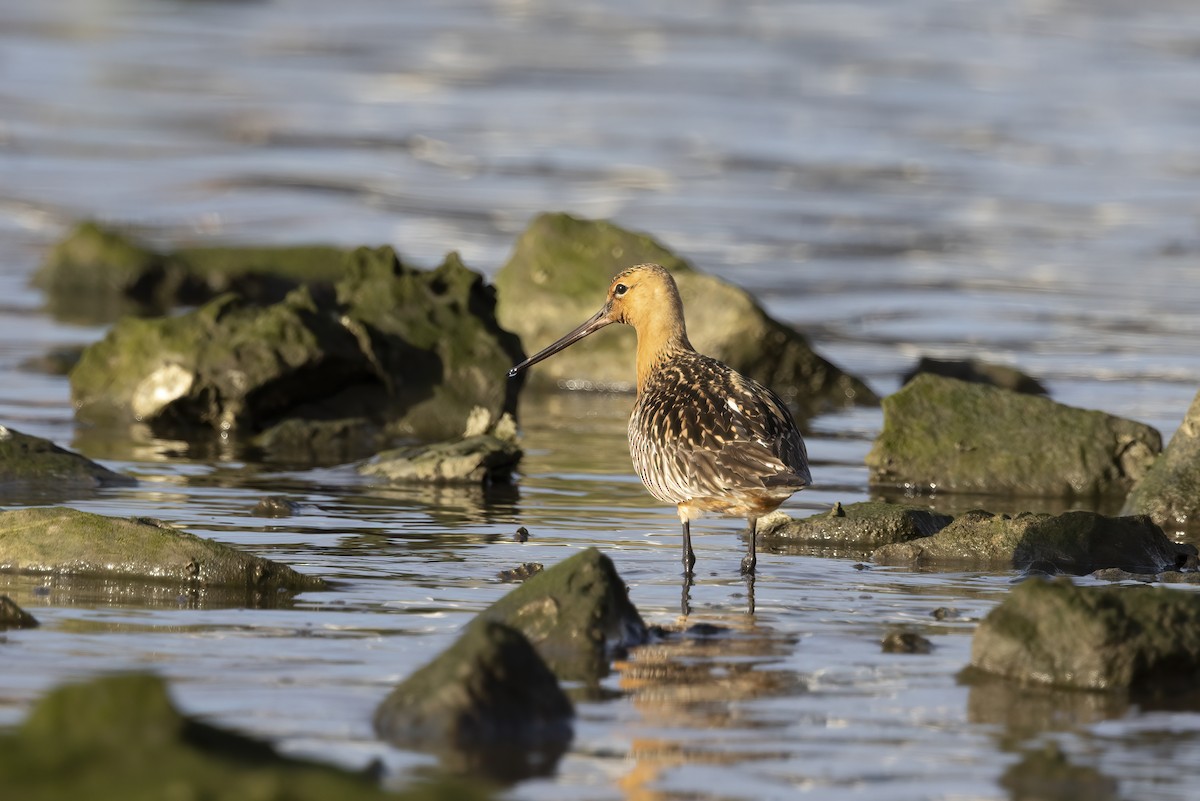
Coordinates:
(227,365)
(97,273)
(120,738)
(435,334)
(34,465)
(577,614)
(1074,542)
(301,440)
(1136,638)
(557,276)
(410,351)
(486,454)
(978,372)
(13,616)
(869,523)
(57,540)
(488,704)
(972,438)
(1170,490)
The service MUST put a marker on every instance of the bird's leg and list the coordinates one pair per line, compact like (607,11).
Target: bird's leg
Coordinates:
(689,558)
(685,598)
(751,558)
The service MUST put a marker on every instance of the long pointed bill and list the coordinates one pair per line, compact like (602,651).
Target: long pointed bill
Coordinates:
(597,321)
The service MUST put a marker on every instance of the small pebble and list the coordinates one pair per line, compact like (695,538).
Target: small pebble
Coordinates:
(906,642)
(275,506)
(522,534)
(521,572)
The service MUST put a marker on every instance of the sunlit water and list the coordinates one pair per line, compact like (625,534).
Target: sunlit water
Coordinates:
(1017,181)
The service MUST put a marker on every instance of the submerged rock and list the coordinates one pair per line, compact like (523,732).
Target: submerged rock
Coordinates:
(484,455)
(64,541)
(556,279)
(577,614)
(1140,639)
(1170,490)
(409,350)
(906,642)
(869,523)
(978,372)
(1045,773)
(488,703)
(121,738)
(34,465)
(13,616)
(1075,542)
(97,273)
(972,438)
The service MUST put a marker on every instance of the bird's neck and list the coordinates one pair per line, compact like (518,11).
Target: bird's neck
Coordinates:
(659,339)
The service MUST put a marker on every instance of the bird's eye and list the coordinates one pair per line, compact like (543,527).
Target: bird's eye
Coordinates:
(620,289)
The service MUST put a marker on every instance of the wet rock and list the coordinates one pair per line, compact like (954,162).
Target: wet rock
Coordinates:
(978,372)
(227,365)
(1191,576)
(276,506)
(1136,638)
(298,440)
(13,616)
(522,572)
(522,534)
(965,437)
(487,456)
(906,642)
(435,333)
(35,465)
(1170,490)
(120,737)
(577,614)
(868,523)
(61,541)
(556,279)
(409,350)
(488,703)
(96,274)
(1075,542)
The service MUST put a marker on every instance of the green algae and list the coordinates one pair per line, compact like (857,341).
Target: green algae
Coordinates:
(575,614)
(967,437)
(557,277)
(1139,639)
(120,737)
(61,541)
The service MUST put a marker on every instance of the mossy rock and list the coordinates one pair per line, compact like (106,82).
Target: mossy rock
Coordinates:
(964,437)
(435,334)
(978,371)
(226,366)
(402,351)
(120,738)
(1138,639)
(488,705)
(63,541)
(1170,490)
(97,273)
(577,614)
(869,523)
(32,465)
(483,459)
(1074,542)
(557,277)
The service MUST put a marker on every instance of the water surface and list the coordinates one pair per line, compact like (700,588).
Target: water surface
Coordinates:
(1010,180)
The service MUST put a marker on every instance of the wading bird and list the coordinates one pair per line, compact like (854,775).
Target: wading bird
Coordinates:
(702,436)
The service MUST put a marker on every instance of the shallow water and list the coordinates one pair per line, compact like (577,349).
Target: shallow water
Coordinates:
(1010,180)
